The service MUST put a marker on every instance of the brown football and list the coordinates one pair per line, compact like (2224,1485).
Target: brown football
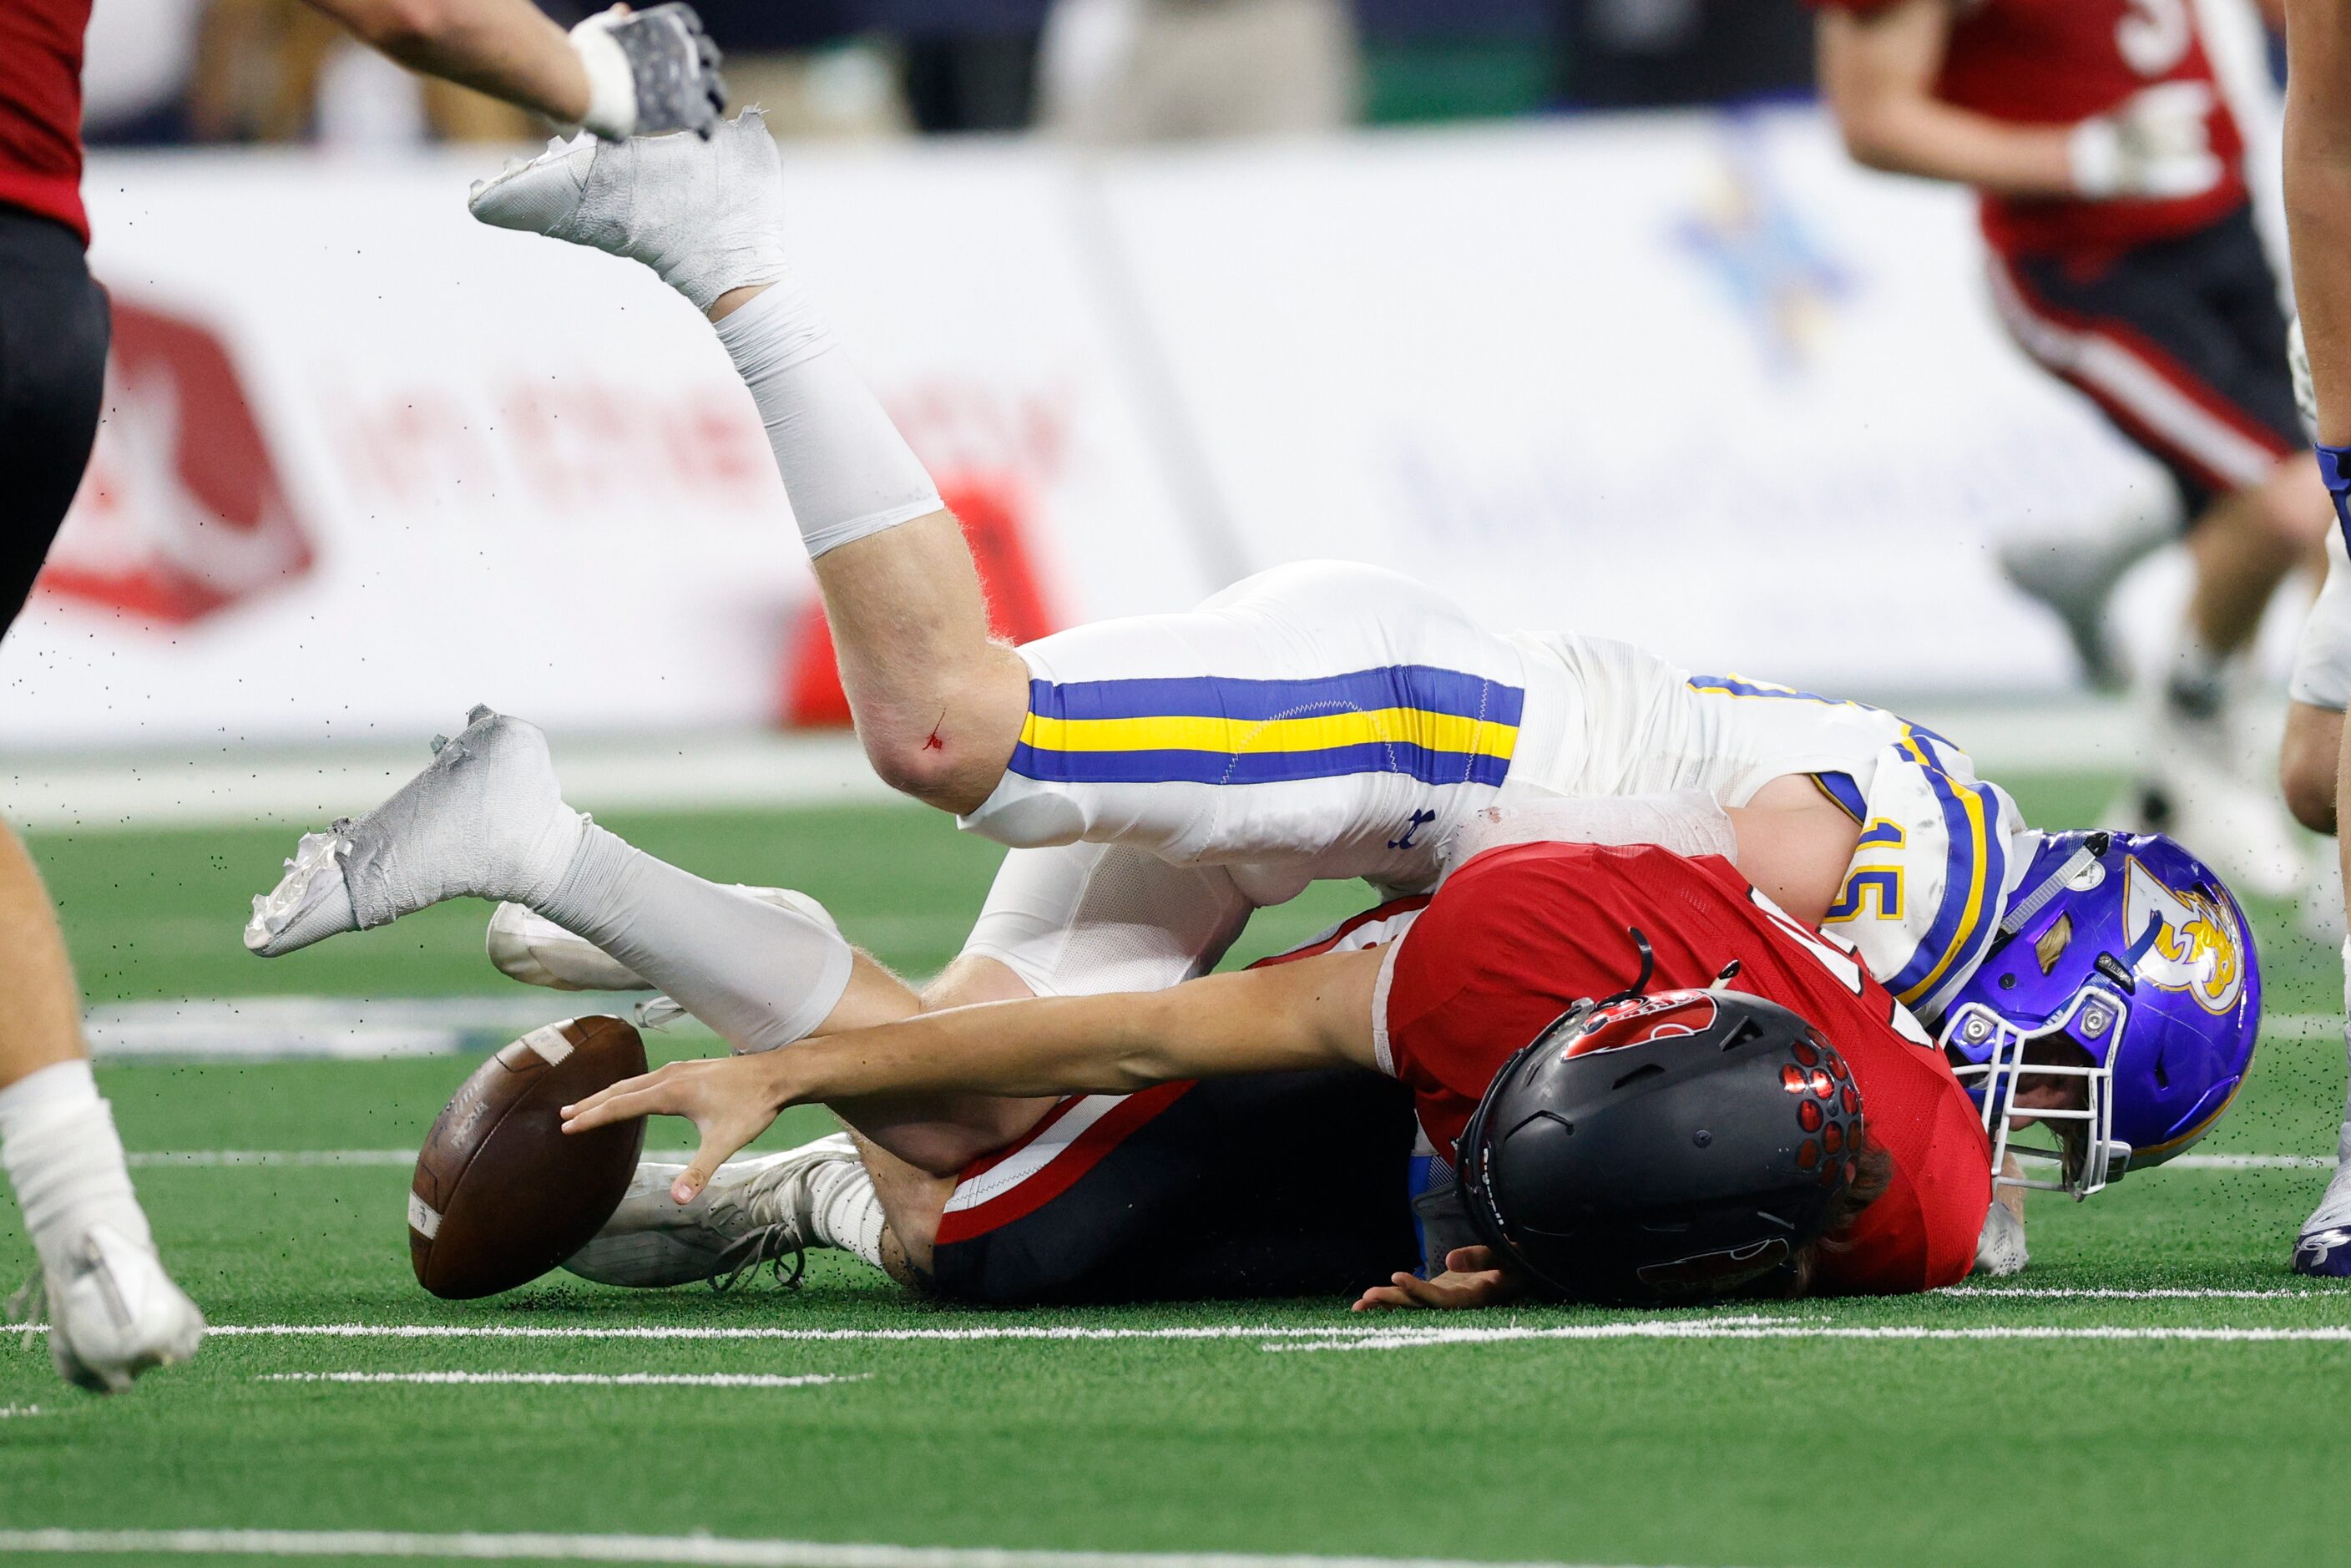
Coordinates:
(501,1195)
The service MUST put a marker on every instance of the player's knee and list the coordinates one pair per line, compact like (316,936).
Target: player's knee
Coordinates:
(2306,765)
(929,768)
(2291,506)
(2308,782)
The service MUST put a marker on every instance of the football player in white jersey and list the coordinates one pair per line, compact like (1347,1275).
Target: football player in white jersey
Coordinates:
(2318,211)
(1159,777)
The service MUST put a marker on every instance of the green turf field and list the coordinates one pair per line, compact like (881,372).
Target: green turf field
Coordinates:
(2209,1424)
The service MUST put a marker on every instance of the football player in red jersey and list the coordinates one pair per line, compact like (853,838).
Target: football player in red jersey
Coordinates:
(113,1311)
(2125,262)
(1507,944)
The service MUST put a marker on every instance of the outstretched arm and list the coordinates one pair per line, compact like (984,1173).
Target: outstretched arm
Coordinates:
(1877,76)
(620,75)
(1315,1012)
(1879,69)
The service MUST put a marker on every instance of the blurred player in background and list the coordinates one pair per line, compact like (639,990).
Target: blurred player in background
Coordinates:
(113,1311)
(2125,261)
(2318,216)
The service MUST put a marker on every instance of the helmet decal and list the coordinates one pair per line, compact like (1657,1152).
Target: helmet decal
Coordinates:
(2197,947)
(2052,943)
(1619,1024)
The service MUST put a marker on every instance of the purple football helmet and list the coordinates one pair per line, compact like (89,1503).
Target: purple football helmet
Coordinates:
(2131,949)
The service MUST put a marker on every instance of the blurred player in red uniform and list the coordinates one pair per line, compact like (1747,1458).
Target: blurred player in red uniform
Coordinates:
(1507,944)
(2125,261)
(113,1311)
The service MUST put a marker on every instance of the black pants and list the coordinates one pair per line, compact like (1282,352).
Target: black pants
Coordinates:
(54,326)
(1283,1184)
(2180,343)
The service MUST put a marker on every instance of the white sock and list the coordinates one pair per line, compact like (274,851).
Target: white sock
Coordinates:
(760,976)
(848,471)
(65,1160)
(846,1212)
(2343,1139)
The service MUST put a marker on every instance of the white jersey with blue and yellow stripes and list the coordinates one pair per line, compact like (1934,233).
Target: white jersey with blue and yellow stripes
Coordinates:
(1940,849)
(1329,720)
(1323,721)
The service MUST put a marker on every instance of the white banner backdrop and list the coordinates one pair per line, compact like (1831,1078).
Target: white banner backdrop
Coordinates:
(1697,382)
(486,466)
(1689,380)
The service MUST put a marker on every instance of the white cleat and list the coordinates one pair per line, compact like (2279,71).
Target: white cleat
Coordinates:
(707,215)
(533,949)
(115,1313)
(485,820)
(756,1210)
(2323,1246)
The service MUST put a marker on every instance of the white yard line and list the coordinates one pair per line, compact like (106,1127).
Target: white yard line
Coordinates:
(342,1029)
(2178,1293)
(817,1336)
(2249,1162)
(597,1379)
(694,1551)
(1731,1328)
(305,786)
(205,1158)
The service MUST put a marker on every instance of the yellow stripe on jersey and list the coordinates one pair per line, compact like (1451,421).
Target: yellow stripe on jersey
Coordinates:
(1241,737)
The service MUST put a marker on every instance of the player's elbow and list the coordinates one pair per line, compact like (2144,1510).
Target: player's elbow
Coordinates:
(1872,138)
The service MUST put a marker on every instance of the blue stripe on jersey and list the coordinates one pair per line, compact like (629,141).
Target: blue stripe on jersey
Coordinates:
(1974,876)
(1422,687)
(1052,767)
(1841,789)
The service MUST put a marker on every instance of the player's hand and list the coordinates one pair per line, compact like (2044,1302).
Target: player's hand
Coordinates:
(1473,1277)
(649,72)
(2155,147)
(730,1100)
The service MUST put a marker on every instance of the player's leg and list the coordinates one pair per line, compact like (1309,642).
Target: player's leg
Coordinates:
(113,1311)
(2313,769)
(1130,722)
(1275,1185)
(2181,346)
(2307,765)
(938,703)
(1080,918)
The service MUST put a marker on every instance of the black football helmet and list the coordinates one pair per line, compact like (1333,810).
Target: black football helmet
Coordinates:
(1662,1149)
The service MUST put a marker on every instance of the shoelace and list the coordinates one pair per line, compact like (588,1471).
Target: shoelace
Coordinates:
(766,1246)
(23,1309)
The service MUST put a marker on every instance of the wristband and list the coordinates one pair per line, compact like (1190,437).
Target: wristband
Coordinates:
(2334,468)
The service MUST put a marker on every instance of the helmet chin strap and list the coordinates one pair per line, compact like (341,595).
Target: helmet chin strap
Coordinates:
(2089,852)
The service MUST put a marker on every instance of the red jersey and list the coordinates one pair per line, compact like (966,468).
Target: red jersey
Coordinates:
(2058,62)
(40,108)
(1517,936)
